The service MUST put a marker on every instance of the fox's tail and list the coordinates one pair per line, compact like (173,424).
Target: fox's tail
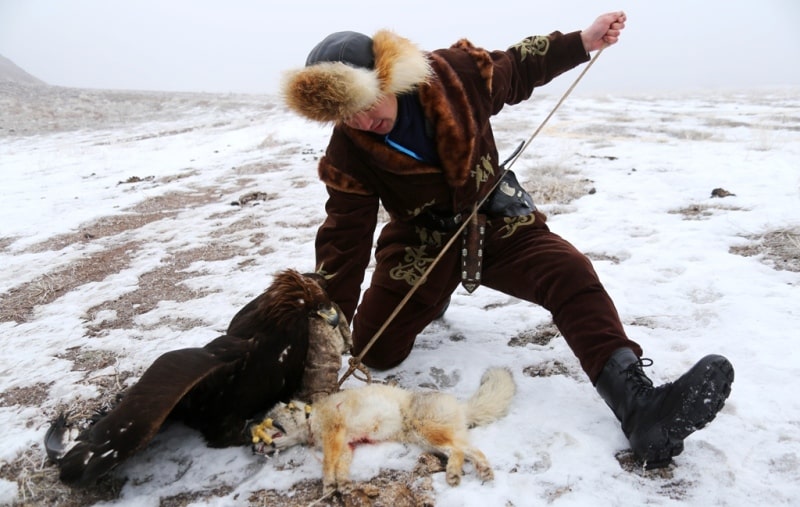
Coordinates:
(493,397)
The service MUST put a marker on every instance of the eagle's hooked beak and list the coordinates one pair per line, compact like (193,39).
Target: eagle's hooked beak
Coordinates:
(330,314)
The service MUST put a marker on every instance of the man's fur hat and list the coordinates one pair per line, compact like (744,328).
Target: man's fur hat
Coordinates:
(349,72)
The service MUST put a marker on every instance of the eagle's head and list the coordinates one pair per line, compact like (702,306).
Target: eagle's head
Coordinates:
(286,304)
(293,294)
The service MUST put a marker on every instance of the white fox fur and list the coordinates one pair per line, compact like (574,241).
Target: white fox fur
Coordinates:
(380,413)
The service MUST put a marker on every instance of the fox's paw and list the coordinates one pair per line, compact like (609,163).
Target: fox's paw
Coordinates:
(453,478)
(345,486)
(485,473)
(328,488)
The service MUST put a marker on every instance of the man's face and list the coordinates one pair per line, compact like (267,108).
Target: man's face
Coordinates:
(379,119)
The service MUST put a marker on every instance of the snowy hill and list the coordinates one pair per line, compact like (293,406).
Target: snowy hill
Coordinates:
(11,73)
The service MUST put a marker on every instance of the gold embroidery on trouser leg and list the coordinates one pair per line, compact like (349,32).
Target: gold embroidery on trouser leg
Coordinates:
(513,223)
(416,260)
(414,266)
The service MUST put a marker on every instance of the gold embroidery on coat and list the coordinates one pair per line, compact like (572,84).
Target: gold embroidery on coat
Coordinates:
(536,46)
(430,237)
(513,223)
(417,260)
(417,211)
(483,170)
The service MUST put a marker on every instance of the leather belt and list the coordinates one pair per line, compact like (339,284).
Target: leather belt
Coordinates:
(438,222)
(508,199)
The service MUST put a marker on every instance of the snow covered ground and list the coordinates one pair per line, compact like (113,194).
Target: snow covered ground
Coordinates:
(120,240)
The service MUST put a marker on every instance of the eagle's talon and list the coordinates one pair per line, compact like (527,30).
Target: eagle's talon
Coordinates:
(280,425)
(259,435)
(259,432)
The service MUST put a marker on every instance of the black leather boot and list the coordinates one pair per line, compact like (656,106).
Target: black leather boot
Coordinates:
(657,419)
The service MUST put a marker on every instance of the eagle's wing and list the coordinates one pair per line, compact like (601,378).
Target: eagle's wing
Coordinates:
(253,379)
(138,416)
(215,389)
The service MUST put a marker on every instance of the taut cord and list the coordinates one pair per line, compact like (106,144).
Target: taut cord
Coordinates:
(355,362)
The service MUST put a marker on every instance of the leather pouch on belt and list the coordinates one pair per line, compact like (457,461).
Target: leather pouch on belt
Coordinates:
(472,252)
(509,199)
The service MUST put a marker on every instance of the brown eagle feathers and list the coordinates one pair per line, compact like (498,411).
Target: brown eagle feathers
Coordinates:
(286,343)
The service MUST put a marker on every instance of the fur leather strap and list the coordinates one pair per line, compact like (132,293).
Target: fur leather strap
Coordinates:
(472,252)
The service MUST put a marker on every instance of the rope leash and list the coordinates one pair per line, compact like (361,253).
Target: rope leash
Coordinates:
(355,362)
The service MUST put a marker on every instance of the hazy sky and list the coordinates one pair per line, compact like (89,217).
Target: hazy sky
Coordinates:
(243,46)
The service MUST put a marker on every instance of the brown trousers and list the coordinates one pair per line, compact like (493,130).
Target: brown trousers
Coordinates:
(532,264)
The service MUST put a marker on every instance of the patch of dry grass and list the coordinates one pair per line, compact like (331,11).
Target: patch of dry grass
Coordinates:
(18,303)
(30,396)
(542,335)
(38,483)
(556,185)
(702,211)
(779,248)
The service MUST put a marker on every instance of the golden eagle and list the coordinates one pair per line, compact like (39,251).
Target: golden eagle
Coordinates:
(285,343)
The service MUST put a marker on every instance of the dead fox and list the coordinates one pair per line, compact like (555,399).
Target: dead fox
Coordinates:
(382,413)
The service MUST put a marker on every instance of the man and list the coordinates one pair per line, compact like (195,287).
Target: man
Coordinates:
(412,132)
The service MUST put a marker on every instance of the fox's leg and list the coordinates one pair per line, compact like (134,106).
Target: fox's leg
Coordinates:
(333,449)
(455,444)
(455,466)
(441,437)
(478,459)
(343,468)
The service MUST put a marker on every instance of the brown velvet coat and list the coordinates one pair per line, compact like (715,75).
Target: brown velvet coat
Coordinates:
(468,87)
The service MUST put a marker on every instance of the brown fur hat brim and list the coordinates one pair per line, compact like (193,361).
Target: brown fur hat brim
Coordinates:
(334,91)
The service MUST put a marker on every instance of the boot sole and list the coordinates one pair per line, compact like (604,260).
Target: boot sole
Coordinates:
(696,411)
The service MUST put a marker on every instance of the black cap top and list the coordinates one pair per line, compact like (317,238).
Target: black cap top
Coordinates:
(352,48)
